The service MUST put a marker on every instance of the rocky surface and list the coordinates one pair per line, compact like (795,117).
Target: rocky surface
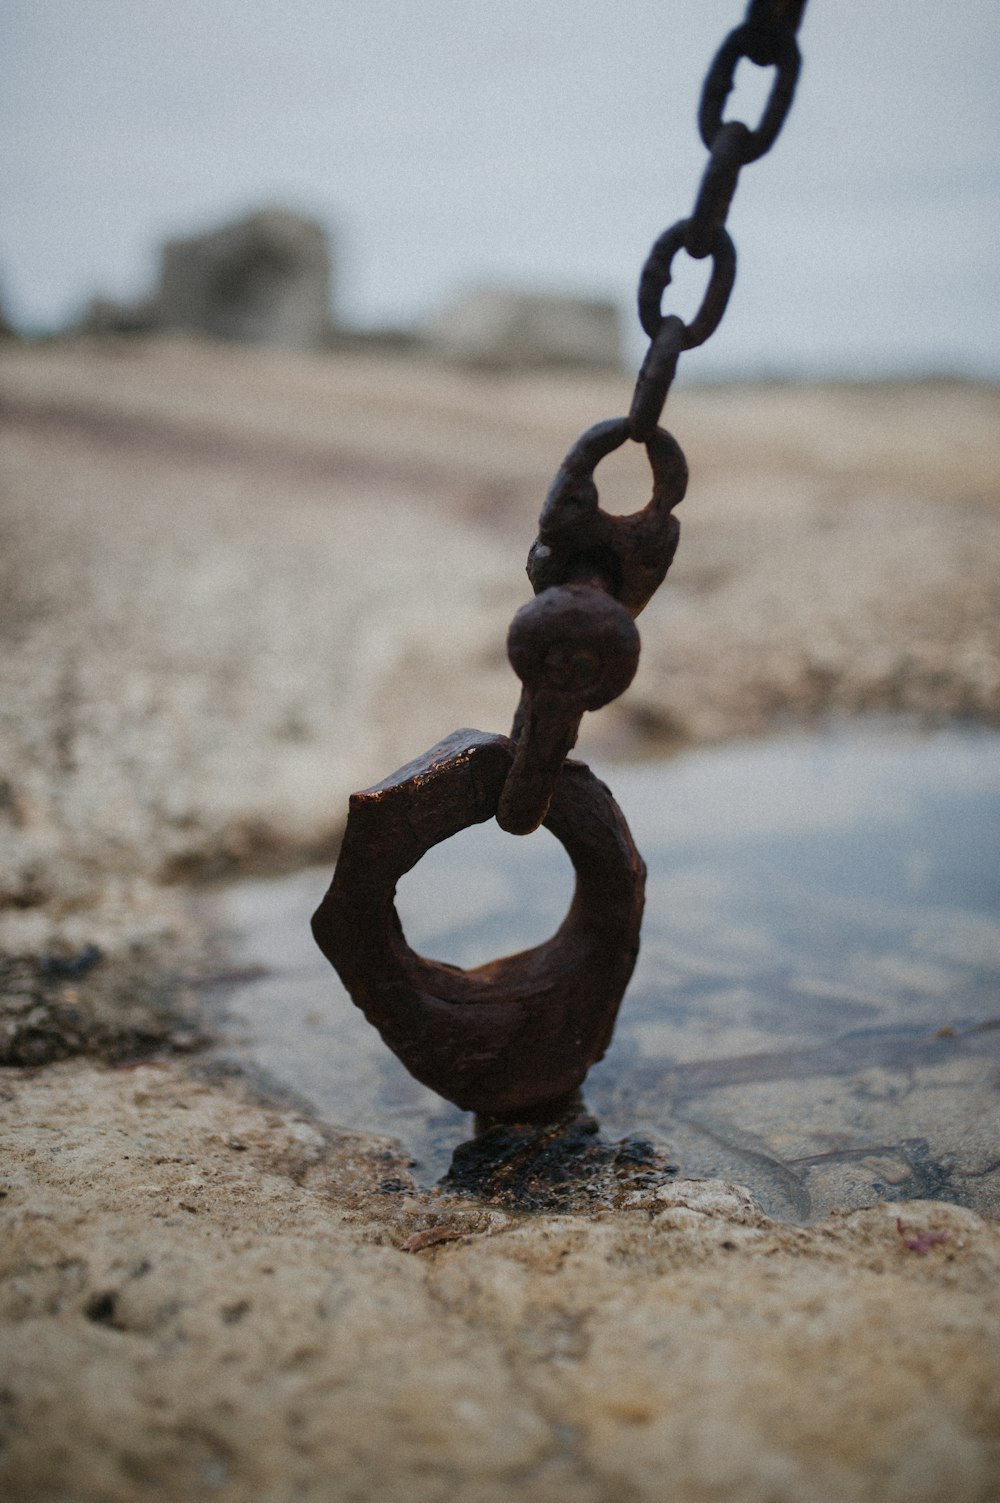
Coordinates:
(237,585)
(205,1299)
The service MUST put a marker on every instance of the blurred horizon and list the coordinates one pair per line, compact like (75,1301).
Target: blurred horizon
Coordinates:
(544,150)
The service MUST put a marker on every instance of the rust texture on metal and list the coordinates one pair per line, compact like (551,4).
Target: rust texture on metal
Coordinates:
(513,1039)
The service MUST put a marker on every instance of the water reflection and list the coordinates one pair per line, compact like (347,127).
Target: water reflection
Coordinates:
(815,1011)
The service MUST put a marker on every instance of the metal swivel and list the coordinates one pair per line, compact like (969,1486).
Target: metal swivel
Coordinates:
(574,648)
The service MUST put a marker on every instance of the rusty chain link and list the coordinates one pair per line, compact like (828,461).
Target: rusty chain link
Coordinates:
(515,1038)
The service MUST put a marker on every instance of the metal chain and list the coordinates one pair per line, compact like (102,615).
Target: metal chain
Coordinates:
(568,667)
(513,1039)
(767,38)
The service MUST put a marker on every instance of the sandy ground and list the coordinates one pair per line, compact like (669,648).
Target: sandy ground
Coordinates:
(235,587)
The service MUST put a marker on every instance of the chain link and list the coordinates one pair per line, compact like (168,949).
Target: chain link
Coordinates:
(741,43)
(656,277)
(718,184)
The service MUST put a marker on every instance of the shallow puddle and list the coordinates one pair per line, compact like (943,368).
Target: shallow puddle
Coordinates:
(816,1007)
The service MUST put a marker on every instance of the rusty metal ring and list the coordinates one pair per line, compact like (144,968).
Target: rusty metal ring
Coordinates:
(655,279)
(508,1038)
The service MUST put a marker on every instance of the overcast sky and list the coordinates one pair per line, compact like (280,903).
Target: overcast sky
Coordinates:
(546,143)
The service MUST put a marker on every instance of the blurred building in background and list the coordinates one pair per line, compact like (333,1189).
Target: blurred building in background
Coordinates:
(262,279)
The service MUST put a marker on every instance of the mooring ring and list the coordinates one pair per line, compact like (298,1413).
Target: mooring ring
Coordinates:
(505,1038)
